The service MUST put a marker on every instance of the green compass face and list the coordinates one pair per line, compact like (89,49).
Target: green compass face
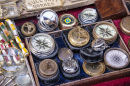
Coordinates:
(67,20)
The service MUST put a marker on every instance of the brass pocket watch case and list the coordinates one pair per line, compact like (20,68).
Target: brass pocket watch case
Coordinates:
(125,25)
(48,71)
(94,69)
(78,37)
(67,21)
(28,29)
(105,30)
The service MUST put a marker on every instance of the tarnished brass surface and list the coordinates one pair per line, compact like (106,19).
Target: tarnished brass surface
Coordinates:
(48,68)
(93,69)
(28,29)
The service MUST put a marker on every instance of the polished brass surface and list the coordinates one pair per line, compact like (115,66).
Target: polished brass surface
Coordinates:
(109,30)
(48,68)
(78,37)
(125,25)
(28,29)
(93,69)
(67,21)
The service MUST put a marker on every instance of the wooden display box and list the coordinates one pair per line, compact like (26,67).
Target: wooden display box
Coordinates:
(87,80)
(111,9)
(127,6)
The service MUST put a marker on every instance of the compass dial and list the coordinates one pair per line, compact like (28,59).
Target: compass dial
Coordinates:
(116,58)
(105,30)
(42,44)
(89,14)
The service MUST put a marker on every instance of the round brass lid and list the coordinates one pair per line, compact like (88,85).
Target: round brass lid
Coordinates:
(48,68)
(78,37)
(28,29)
(65,53)
(93,69)
(125,25)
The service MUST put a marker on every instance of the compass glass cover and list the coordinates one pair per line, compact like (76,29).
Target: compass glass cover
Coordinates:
(116,58)
(42,43)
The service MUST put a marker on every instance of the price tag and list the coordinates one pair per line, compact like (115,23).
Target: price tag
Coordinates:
(41,4)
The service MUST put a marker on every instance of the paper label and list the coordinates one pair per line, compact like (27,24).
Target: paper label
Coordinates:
(41,4)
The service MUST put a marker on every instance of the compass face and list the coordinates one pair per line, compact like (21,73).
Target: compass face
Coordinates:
(105,31)
(89,14)
(116,58)
(42,43)
(67,19)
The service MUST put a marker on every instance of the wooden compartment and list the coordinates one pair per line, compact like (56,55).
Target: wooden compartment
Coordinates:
(87,81)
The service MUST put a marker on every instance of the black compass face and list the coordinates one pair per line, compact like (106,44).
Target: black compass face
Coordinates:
(67,19)
(42,43)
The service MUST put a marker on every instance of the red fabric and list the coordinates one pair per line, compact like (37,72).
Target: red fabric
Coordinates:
(118,82)
(75,12)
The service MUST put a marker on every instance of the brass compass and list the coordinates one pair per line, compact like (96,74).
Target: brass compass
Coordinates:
(105,30)
(125,25)
(78,37)
(28,29)
(93,69)
(48,68)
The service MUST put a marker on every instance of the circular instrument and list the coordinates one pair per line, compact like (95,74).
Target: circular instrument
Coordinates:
(105,30)
(116,58)
(78,37)
(48,20)
(125,25)
(99,44)
(67,21)
(70,65)
(48,68)
(93,69)
(28,29)
(88,15)
(42,44)
(65,53)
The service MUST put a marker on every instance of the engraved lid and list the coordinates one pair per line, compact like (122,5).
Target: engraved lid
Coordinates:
(125,25)
(78,37)
(28,29)
(48,68)
(93,69)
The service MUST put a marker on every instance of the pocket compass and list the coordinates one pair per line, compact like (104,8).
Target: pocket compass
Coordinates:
(70,66)
(116,58)
(88,15)
(42,45)
(94,69)
(105,30)
(28,29)
(48,68)
(78,37)
(67,21)
(48,20)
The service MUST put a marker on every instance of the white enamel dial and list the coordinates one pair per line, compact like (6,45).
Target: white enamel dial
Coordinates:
(42,43)
(89,14)
(105,31)
(116,58)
